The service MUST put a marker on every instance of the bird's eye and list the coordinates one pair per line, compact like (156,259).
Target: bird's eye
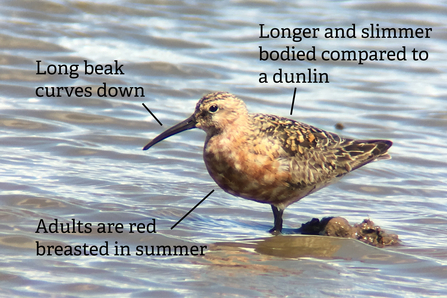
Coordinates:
(213,108)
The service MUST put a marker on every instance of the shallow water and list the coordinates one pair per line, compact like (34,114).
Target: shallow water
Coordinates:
(80,158)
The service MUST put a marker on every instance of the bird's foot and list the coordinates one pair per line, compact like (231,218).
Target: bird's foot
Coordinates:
(274,231)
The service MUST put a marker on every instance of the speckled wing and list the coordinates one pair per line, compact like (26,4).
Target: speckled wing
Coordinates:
(314,156)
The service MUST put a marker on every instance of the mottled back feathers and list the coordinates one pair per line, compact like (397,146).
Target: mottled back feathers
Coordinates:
(314,150)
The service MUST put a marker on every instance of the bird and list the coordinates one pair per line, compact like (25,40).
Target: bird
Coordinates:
(271,159)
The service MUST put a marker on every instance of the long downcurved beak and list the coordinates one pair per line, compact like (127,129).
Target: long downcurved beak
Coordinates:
(182,126)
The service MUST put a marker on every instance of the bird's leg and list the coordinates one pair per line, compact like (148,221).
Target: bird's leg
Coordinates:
(277,215)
